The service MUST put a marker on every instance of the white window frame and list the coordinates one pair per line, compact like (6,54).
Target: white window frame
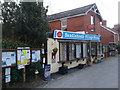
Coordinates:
(85,50)
(71,51)
(63,24)
(78,50)
(63,54)
(92,19)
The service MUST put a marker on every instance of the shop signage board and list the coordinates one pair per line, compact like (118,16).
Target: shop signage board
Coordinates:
(73,35)
(8,58)
(47,71)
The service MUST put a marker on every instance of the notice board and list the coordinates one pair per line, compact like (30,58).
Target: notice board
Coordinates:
(36,55)
(23,58)
(8,58)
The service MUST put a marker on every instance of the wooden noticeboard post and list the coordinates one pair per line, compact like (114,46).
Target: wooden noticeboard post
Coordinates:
(24,74)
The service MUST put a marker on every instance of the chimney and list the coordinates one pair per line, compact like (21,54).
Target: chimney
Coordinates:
(116,25)
(104,23)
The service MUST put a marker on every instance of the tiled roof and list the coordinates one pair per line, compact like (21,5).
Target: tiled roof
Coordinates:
(77,11)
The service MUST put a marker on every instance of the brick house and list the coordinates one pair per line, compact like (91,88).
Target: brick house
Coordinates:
(75,52)
(79,19)
(116,29)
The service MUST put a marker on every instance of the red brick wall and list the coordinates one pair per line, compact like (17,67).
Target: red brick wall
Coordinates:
(75,24)
(117,38)
(80,23)
(88,22)
(107,36)
(55,25)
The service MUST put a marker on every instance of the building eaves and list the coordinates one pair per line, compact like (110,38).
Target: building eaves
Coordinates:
(70,13)
(109,29)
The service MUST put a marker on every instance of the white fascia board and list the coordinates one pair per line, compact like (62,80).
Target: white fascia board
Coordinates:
(66,17)
(54,20)
(89,9)
(108,29)
(92,11)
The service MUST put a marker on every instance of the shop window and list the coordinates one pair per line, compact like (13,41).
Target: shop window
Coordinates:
(98,48)
(101,48)
(78,50)
(106,48)
(84,49)
(71,51)
(93,49)
(63,52)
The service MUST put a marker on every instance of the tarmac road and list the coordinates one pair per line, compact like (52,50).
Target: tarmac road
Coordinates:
(102,75)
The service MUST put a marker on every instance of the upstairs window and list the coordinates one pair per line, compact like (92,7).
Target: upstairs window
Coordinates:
(64,24)
(93,22)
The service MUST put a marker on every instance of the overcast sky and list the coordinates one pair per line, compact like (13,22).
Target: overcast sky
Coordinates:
(107,8)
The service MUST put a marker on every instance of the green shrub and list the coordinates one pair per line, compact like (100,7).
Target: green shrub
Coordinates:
(7,44)
(30,70)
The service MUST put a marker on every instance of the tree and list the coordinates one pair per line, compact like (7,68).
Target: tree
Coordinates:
(9,11)
(25,23)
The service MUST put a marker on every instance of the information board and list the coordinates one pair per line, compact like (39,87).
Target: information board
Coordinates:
(23,58)
(36,55)
(7,78)
(7,75)
(8,58)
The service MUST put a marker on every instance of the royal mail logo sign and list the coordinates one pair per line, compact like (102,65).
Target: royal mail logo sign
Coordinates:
(73,35)
(59,34)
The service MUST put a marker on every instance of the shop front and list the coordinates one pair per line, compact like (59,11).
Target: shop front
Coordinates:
(72,49)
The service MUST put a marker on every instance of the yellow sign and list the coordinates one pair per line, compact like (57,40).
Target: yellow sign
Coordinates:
(24,52)
(25,61)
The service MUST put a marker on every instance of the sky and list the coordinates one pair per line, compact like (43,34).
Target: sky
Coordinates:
(108,8)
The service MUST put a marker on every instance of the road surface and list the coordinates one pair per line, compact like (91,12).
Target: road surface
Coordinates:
(102,75)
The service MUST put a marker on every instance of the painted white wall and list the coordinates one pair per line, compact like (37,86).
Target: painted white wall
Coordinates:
(52,43)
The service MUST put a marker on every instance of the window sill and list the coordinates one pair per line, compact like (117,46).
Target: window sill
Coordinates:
(77,59)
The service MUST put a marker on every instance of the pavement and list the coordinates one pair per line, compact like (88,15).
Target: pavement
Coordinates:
(102,75)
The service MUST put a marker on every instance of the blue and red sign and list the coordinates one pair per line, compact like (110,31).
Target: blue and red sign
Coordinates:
(47,71)
(73,35)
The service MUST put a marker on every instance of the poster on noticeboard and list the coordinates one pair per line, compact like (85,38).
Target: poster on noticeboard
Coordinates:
(36,55)
(8,58)
(23,57)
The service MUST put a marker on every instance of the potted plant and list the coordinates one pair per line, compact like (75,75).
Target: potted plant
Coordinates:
(95,60)
(90,61)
